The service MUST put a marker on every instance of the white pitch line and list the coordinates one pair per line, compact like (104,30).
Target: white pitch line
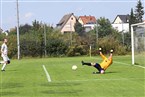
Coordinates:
(139,66)
(126,64)
(47,74)
(129,64)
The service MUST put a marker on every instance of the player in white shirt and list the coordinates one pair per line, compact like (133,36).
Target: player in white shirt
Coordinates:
(4,52)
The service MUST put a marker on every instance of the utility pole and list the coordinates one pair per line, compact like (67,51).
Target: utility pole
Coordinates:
(71,31)
(122,34)
(45,39)
(96,33)
(18,36)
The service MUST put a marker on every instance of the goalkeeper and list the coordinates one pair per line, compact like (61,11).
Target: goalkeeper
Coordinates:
(104,64)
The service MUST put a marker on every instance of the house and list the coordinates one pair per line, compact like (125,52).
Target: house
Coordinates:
(88,22)
(66,24)
(121,23)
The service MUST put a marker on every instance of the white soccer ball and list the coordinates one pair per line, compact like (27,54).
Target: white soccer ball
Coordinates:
(74,67)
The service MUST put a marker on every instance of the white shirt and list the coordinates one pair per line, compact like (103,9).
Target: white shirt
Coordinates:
(4,50)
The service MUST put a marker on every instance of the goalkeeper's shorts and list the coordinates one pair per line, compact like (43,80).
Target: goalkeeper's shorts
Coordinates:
(98,67)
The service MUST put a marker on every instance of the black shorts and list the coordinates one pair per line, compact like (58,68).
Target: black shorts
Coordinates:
(97,66)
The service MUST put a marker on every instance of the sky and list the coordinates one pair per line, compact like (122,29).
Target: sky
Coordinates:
(51,11)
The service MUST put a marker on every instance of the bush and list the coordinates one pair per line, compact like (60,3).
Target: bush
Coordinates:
(30,48)
(56,47)
(110,42)
(76,51)
(12,46)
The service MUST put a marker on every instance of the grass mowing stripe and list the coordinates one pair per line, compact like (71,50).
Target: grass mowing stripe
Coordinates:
(47,74)
(87,80)
(26,78)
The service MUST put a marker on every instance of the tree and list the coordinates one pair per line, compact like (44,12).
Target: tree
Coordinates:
(139,12)
(132,19)
(36,25)
(25,28)
(104,27)
(79,29)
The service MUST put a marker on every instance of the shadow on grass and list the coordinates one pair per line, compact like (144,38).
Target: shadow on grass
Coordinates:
(13,70)
(61,88)
(10,85)
(8,94)
(62,92)
(60,84)
(110,72)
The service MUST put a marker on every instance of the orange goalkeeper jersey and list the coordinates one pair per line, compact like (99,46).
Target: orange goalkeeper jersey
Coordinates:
(106,62)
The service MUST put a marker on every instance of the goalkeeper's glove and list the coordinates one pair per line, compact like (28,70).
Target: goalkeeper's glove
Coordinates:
(100,49)
(111,51)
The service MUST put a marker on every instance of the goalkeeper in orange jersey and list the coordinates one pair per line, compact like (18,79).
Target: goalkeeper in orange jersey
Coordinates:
(104,64)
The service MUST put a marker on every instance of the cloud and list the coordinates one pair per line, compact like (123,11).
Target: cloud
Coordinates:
(80,9)
(28,15)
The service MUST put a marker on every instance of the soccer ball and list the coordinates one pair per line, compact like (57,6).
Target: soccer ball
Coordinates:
(74,67)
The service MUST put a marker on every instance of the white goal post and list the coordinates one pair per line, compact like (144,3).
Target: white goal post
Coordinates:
(138,42)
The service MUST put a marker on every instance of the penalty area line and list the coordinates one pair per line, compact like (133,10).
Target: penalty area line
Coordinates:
(47,74)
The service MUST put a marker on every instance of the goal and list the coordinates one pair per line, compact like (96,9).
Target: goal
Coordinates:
(138,43)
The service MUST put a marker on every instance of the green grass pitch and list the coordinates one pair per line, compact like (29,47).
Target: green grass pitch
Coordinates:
(27,78)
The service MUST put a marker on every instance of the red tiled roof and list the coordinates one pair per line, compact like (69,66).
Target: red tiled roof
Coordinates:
(88,19)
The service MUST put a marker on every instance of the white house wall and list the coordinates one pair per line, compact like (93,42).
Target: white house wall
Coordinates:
(89,27)
(121,27)
(80,21)
(69,26)
(117,21)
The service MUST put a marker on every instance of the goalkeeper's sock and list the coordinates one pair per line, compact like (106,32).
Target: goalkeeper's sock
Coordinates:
(83,63)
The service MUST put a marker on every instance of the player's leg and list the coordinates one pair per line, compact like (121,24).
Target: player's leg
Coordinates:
(96,65)
(99,68)
(2,62)
(88,64)
(5,59)
(3,67)
(84,63)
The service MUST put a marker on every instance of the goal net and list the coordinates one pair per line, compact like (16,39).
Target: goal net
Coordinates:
(138,43)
